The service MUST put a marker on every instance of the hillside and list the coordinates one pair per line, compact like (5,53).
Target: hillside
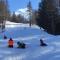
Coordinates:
(31,37)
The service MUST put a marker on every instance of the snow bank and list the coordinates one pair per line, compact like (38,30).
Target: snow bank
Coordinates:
(12,25)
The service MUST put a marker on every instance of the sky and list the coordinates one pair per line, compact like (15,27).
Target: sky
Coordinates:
(18,4)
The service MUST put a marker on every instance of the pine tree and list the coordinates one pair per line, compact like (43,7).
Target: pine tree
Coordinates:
(14,17)
(20,19)
(47,13)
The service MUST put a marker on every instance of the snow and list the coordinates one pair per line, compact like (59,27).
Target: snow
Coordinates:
(12,25)
(30,36)
(24,12)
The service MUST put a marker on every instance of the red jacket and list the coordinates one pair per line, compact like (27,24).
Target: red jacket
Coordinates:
(10,42)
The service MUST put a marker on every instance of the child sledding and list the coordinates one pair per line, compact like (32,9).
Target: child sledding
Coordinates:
(42,43)
(21,45)
(10,43)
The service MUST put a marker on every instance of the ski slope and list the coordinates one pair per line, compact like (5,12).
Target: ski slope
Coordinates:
(30,36)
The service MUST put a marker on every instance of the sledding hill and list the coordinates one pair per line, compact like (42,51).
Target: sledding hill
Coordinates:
(30,36)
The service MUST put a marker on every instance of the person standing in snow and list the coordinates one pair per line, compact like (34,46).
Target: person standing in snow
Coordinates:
(10,43)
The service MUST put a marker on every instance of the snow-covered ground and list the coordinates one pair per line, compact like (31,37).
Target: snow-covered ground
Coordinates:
(30,36)
(12,25)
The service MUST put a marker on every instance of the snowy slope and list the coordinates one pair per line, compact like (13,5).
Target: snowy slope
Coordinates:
(33,51)
(12,25)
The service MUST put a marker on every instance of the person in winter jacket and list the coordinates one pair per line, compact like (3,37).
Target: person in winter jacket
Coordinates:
(5,37)
(10,43)
(21,44)
(42,43)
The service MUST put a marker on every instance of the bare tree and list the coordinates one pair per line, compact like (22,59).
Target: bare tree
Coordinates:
(30,12)
(4,12)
